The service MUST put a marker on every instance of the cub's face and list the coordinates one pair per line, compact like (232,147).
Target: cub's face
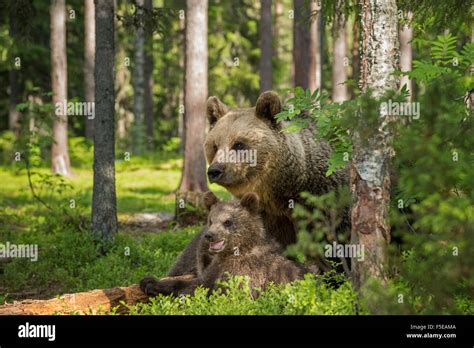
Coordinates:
(241,143)
(234,225)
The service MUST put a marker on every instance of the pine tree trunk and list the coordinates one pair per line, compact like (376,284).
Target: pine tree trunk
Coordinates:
(148,72)
(194,171)
(339,66)
(355,52)
(406,35)
(265,45)
(319,46)
(139,87)
(278,8)
(59,151)
(370,180)
(89,61)
(306,46)
(13,75)
(104,206)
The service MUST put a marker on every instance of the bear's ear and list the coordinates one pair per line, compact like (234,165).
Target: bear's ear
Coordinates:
(215,110)
(268,105)
(210,199)
(251,202)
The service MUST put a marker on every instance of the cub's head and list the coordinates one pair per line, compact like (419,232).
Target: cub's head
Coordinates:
(233,226)
(242,143)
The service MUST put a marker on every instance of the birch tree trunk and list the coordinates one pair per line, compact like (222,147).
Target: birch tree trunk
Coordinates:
(370,180)
(104,205)
(406,35)
(60,163)
(265,45)
(89,60)
(339,66)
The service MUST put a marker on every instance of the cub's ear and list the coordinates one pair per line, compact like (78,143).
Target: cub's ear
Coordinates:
(268,105)
(210,199)
(251,202)
(215,110)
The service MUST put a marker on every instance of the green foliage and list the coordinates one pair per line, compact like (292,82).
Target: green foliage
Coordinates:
(7,146)
(318,222)
(81,152)
(310,296)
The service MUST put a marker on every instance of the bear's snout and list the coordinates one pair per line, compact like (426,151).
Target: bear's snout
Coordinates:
(209,236)
(215,172)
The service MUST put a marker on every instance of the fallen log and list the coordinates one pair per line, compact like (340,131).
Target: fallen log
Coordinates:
(90,302)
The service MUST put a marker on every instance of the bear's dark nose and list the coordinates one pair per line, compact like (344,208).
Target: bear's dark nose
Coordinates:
(215,171)
(209,236)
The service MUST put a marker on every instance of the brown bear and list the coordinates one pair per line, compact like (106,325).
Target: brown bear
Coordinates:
(285,165)
(234,243)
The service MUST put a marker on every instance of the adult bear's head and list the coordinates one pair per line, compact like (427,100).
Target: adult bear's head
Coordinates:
(242,145)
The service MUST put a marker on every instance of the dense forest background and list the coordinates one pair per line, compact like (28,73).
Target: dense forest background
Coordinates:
(312,54)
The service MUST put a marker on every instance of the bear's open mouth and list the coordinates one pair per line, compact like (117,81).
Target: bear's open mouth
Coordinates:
(217,246)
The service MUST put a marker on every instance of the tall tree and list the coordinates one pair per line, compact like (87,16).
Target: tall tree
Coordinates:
(355,51)
(370,180)
(104,205)
(195,95)
(14,114)
(305,44)
(406,35)
(139,84)
(265,45)
(278,9)
(339,66)
(89,60)
(59,152)
(148,80)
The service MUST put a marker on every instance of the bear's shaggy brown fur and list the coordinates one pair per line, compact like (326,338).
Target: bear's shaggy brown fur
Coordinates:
(286,165)
(234,243)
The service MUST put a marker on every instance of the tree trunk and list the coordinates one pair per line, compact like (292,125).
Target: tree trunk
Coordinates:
(59,152)
(90,302)
(194,171)
(89,60)
(278,8)
(122,81)
(305,45)
(406,35)
(318,47)
(370,180)
(355,52)
(13,114)
(148,78)
(138,129)
(339,66)
(265,45)
(104,206)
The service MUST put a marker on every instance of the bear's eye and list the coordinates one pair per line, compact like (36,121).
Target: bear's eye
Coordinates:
(215,148)
(238,146)
(227,223)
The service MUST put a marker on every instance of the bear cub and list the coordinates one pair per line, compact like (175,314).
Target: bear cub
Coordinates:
(235,242)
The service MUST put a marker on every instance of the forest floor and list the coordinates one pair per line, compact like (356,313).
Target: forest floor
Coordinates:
(148,243)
